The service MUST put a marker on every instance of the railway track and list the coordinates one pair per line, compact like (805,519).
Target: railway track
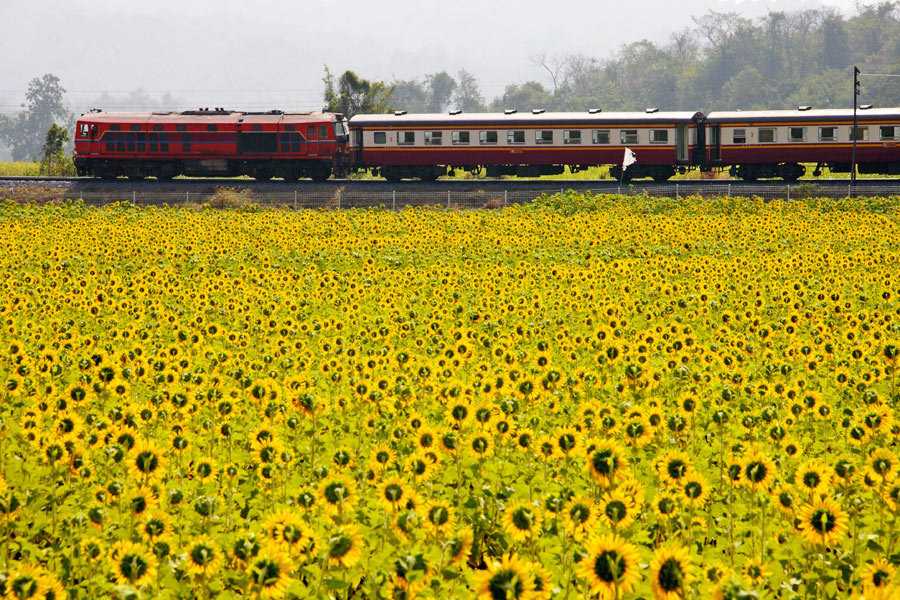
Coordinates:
(459,193)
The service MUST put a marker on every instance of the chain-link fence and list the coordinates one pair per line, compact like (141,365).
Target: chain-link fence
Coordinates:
(351,196)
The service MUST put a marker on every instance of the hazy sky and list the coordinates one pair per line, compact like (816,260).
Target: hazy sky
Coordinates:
(267,53)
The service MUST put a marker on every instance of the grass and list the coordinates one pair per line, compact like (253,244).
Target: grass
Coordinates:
(20,169)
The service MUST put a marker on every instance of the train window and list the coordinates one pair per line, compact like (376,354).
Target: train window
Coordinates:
(887,132)
(135,127)
(766,135)
(323,131)
(798,134)
(659,136)
(380,137)
(110,147)
(85,129)
(572,136)
(629,136)
(256,127)
(406,138)
(157,128)
(460,138)
(515,137)
(544,136)
(827,134)
(739,136)
(600,136)
(114,128)
(212,128)
(487,137)
(181,127)
(859,134)
(434,138)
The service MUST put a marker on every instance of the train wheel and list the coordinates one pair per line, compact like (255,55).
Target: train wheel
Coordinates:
(661,178)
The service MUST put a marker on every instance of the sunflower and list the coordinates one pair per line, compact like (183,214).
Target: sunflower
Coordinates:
(343,546)
(543,582)
(155,525)
(671,573)
(269,573)
(203,557)
(665,505)
(673,466)
(758,470)
(580,516)
(132,564)
(694,489)
(813,478)
(146,462)
(285,529)
(521,521)
(337,492)
(822,522)
(480,445)
(393,493)
(524,440)
(438,517)
(205,470)
(508,579)
(785,499)
(617,510)
(566,440)
(882,465)
(25,582)
(381,458)
(755,570)
(610,566)
(606,462)
(878,577)
(458,546)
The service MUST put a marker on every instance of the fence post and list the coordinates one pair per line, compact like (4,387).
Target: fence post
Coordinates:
(849,189)
(393,199)
(677,192)
(448,199)
(133,197)
(187,197)
(295,199)
(729,190)
(505,197)
(339,195)
(789,193)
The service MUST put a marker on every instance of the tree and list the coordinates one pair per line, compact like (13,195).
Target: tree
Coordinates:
(353,95)
(440,88)
(410,96)
(835,43)
(526,96)
(467,96)
(44,106)
(55,161)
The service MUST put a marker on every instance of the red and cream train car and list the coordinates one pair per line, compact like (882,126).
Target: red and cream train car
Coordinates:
(211,143)
(776,143)
(426,146)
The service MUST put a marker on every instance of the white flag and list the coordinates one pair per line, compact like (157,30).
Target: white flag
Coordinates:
(630,159)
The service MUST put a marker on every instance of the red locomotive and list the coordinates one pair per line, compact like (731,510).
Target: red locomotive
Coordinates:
(211,143)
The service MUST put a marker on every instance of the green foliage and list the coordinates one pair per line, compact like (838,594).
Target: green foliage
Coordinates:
(352,94)
(44,106)
(55,161)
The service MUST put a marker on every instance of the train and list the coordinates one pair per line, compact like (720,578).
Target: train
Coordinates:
(749,145)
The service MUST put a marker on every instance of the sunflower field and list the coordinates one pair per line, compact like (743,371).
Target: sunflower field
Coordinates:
(586,397)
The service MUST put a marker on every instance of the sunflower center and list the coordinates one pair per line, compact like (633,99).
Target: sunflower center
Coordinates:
(756,471)
(676,468)
(579,513)
(339,546)
(880,578)
(202,555)
(24,586)
(266,573)
(609,566)
(523,518)
(881,466)
(566,441)
(823,521)
(505,584)
(133,567)
(666,506)
(693,490)
(670,576)
(438,515)
(615,510)
(393,492)
(811,479)
(335,492)
(604,462)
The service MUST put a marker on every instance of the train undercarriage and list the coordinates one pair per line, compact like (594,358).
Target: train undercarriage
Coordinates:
(659,173)
(290,170)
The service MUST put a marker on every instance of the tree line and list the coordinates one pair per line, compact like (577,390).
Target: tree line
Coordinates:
(724,61)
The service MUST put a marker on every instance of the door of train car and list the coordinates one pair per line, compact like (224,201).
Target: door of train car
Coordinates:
(357,142)
(715,143)
(312,139)
(681,143)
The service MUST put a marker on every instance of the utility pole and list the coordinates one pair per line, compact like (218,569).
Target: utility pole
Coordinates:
(854,131)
